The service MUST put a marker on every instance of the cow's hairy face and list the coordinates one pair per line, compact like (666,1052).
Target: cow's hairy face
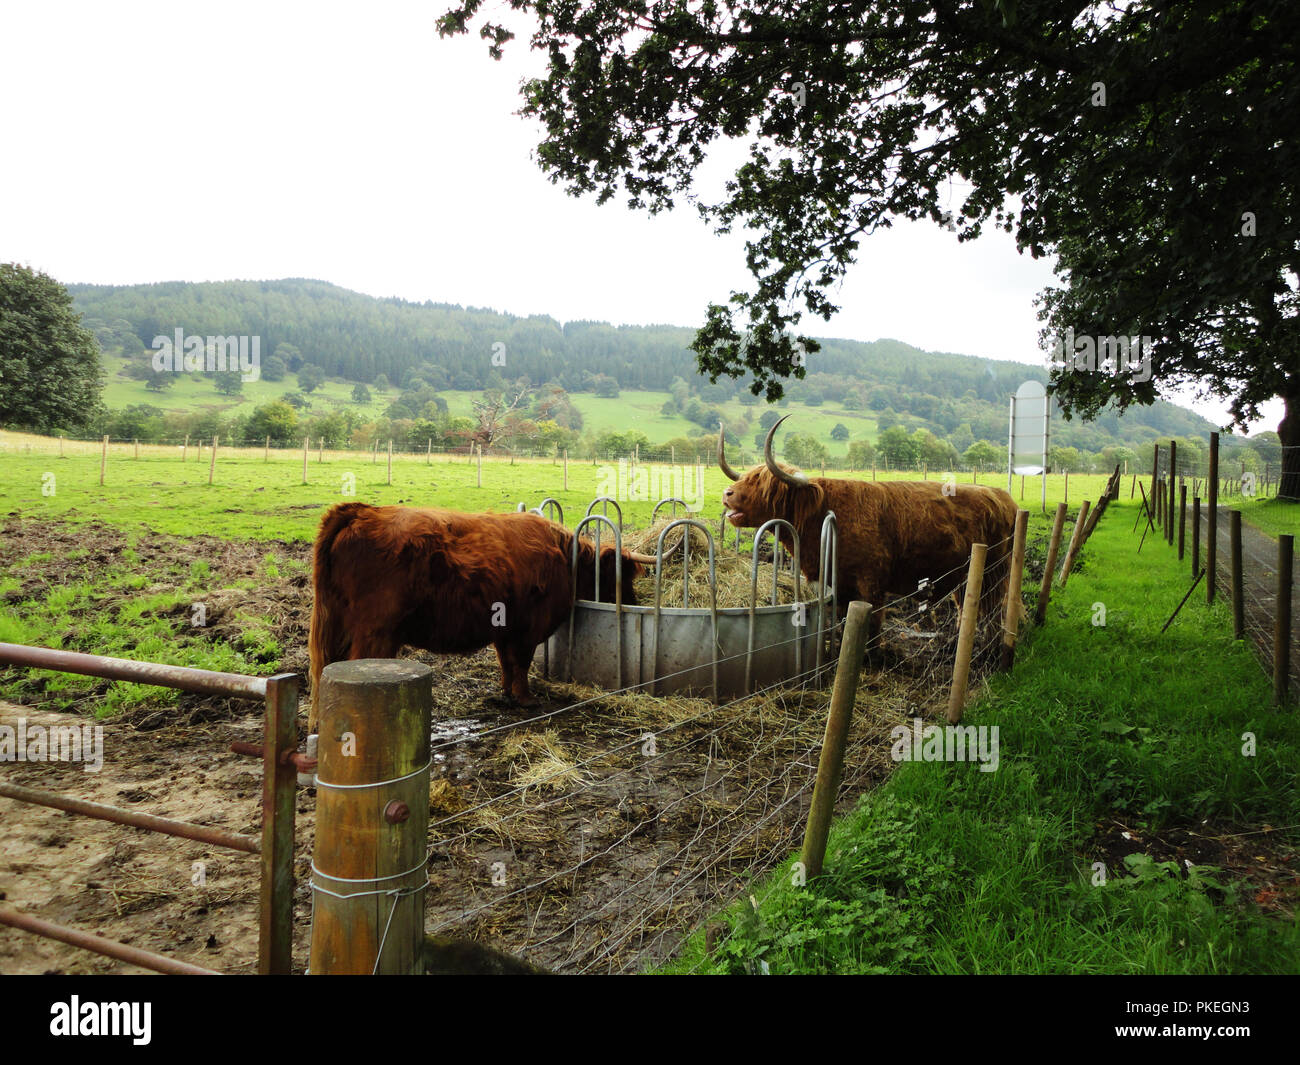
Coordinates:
(758,497)
(609,562)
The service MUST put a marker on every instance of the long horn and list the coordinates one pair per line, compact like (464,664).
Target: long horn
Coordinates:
(645,560)
(722,456)
(794,480)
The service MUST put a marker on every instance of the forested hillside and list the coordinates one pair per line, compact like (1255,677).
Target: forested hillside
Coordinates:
(323,332)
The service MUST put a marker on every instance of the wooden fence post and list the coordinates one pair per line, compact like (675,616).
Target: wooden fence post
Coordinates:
(1282,620)
(212,461)
(1212,531)
(1169,503)
(831,763)
(1155,476)
(1076,541)
(1196,535)
(1014,605)
(185,447)
(970,610)
(428,453)
(566,469)
(480,465)
(103,458)
(306,440)
(136,441)
(266,454)
(1182,519)
(390,461)
(1045,589)
(372,818)
(320,450)
(1238,603)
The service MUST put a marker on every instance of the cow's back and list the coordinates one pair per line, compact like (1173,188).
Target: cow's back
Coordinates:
(450,582)
(898,533)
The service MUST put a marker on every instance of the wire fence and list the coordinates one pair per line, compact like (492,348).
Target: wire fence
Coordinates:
(600,834)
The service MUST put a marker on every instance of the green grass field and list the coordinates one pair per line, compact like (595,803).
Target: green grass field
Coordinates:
(1143,817)
(266,499)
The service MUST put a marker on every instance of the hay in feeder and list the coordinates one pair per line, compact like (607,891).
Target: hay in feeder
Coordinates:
(732,569)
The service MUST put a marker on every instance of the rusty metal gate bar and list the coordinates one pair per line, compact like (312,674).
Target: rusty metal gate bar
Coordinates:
(279,783)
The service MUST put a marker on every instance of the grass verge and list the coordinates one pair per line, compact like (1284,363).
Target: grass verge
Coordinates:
(1142,818)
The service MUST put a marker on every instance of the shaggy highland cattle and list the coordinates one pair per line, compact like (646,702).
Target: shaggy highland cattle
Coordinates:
(449,583)
(892,534)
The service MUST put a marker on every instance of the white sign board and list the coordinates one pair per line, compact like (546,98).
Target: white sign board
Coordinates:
(1029,429)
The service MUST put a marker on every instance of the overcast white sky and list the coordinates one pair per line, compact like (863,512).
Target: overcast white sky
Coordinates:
(163,141)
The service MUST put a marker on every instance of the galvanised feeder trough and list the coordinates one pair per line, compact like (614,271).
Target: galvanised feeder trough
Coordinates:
(723,652)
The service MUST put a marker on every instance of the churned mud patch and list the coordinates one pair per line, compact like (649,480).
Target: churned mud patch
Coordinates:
(1257,859)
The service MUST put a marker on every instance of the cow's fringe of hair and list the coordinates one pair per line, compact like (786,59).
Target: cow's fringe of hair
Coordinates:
(326,643)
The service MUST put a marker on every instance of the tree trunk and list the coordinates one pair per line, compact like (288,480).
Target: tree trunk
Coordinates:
(1289,432)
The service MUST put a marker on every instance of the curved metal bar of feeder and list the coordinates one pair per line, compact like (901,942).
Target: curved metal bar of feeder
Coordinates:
(522,508)
(654,514)
(618,585)
(605,501)
(549,502)
(771,524)
(686,569)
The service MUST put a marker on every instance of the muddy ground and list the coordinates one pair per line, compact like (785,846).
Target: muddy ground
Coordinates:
(555,835)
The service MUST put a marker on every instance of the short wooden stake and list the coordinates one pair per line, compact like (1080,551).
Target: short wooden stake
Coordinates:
(1282,620)
(185,447)
(1076,541)
(480,465)
(136,442)
(566,472)
(372,817)
(266,454)
(103,459)
(390,462)
(212,461)
(1014,605)
(1054,546)
(830,766)
(305,443)
(1183,601)
(428,454)
(970,610)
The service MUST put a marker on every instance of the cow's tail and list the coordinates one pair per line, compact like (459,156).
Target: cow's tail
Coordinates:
(328,640)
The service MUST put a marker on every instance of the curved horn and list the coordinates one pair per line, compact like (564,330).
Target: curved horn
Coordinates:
(722,456)
(794,480)
(645,560)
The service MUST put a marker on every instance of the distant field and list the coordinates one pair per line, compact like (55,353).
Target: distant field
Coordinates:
(266,500)
(631,410)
